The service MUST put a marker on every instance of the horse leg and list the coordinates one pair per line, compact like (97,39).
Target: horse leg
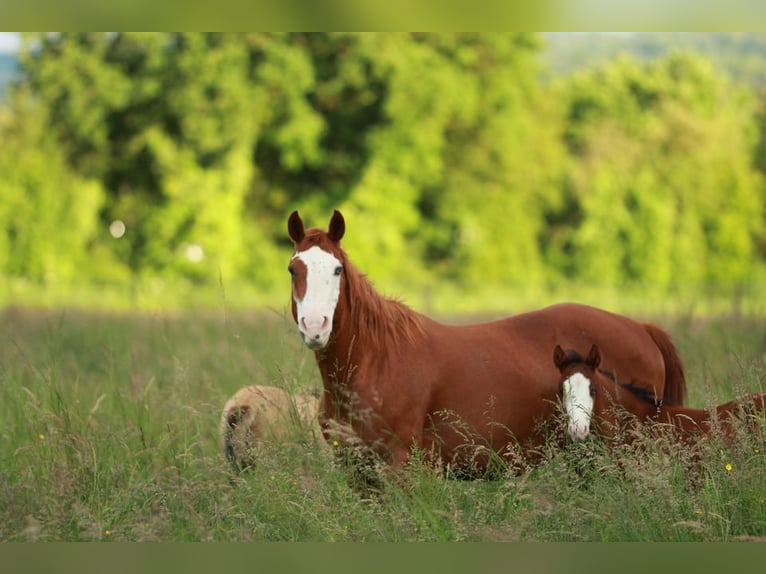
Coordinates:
(400,456)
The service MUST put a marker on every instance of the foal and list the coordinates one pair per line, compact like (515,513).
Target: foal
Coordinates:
(591,394)
(258,414)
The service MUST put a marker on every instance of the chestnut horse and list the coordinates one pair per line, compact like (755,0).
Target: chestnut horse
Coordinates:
(259,413)
(591,394)
(403,380)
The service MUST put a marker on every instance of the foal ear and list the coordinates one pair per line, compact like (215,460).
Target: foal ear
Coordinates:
(337,226)
(559,357)
(594,357)
(295,227)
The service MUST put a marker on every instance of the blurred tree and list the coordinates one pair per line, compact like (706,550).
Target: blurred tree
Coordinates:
(168,122)
(429,143)
(48,213)
(502,163)
(447,154)
(663,173)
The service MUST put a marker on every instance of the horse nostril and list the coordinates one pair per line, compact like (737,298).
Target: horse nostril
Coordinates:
(324,324)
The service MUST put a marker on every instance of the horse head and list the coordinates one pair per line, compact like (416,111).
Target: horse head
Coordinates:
(577,389)
(316,268)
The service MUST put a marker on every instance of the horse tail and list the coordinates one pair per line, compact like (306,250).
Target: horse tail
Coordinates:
(675,379)
(233,418)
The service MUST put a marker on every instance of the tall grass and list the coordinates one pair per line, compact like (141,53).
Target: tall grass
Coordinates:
(109,431)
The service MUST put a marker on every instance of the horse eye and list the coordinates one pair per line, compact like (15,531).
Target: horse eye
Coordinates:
(291,270)
(592,392)
(338,270)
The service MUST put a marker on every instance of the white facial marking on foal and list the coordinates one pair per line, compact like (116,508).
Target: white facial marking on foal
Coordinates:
(316,309)
(578,404)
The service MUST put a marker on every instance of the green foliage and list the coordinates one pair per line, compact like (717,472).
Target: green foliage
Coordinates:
(664,171)
(451,160)
(48,212)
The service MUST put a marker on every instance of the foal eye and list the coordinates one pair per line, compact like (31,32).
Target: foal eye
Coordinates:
(338,270)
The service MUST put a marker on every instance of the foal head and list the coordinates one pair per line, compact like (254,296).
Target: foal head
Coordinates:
(577,389)
(316,268)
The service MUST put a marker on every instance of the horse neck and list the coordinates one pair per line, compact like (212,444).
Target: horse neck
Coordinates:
(367,328)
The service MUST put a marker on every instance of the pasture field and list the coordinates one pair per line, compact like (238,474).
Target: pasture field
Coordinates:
(109,432)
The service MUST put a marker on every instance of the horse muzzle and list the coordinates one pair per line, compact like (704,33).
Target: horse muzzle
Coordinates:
(578,431)
(315,331)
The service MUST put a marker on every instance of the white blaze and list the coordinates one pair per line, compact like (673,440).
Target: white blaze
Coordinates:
(315,311)
(578,404)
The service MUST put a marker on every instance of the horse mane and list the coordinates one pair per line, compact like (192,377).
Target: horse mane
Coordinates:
(377,320)
(639,392)
(571,359)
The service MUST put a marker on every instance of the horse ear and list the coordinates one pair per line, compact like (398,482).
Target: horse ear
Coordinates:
(337,226)
(594,357)
(295,228)
(559,357)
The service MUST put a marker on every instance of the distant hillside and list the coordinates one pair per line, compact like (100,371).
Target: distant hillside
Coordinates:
(9,71)
(741,55)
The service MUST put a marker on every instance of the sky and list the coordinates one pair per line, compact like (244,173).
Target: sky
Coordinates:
(9,41)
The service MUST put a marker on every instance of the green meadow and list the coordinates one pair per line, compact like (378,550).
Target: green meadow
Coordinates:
(146,183)
(110,432)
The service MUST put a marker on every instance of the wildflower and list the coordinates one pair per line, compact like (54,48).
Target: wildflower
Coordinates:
(107,532)
(699,511)
(335,443)
(41,436)
(728,467)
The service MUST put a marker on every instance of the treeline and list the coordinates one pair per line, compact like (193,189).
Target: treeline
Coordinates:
(180,155)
